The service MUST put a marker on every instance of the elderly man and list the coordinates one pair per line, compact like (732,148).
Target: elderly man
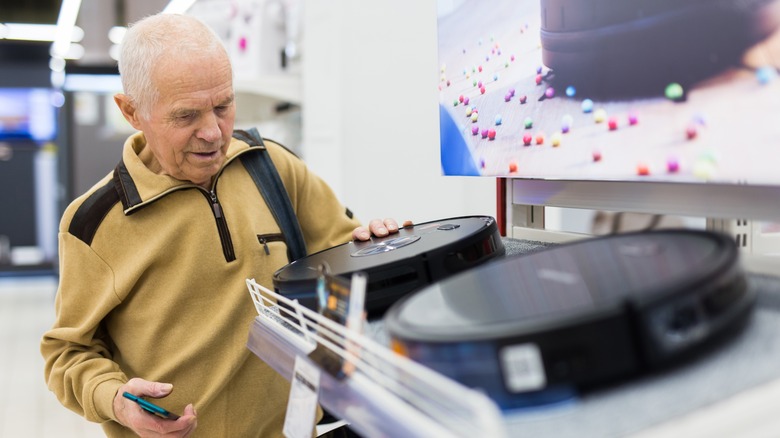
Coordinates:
(152,297)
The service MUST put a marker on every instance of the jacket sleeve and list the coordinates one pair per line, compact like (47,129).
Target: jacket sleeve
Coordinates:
(323,218)
(78,364)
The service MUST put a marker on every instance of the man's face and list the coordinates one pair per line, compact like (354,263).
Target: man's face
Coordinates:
(190,126)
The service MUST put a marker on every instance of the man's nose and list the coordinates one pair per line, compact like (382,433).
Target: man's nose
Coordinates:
(210,131)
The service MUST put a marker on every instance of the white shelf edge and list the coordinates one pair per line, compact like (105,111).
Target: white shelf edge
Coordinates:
(287,88)
(387,394)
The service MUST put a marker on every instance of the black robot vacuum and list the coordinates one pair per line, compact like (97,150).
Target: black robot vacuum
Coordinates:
(397,264)
(538,328)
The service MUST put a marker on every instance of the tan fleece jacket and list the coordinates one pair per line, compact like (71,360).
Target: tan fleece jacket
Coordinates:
(150,292)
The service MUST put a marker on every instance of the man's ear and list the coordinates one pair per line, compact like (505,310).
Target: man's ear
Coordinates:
(125,104)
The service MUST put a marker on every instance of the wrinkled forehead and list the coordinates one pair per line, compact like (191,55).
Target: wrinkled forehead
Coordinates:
(193,84)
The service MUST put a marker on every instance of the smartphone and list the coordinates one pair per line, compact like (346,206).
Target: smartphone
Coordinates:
(151,407)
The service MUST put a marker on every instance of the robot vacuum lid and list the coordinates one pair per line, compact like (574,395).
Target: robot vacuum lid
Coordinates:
(410,242)
(578,281)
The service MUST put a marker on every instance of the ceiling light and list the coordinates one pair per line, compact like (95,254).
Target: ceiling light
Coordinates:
(178,6)
(65,24)
(116,34)
(77,35)
(57,78)
(29,32)
(56,64)
(97,83)
(114,51)
(75,51)
(35,32)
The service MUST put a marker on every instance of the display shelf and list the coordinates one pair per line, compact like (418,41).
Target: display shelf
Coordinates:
(727,389)
(386,394)
(286,88)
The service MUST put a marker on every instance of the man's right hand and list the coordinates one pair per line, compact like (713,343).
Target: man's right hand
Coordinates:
(145,424)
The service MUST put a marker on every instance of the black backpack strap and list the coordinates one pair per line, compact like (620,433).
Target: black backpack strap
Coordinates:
(269,183)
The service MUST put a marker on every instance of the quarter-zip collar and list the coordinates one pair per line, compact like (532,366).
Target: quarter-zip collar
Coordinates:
(138,186)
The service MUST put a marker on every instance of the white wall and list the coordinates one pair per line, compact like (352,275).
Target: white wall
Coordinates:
(370,111)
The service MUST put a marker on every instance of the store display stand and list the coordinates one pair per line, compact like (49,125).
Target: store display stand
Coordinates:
(386,394)
(691,399)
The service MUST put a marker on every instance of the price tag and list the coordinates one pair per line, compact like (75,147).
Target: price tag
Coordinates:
(302,406)
(523,368)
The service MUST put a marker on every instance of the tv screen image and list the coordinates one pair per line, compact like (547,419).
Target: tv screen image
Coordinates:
(658,90)
(27,114)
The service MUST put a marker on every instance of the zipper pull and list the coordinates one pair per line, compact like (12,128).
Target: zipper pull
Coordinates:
(215,206)
(265,245)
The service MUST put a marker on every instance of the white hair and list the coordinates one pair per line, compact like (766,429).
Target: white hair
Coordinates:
(150,40)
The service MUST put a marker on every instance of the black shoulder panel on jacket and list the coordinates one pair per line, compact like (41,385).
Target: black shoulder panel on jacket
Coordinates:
(91,213)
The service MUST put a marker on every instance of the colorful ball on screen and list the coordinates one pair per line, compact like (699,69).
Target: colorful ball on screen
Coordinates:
(674,91)
(566,123)
(672,165)
(587,105)
(691,132)
(599,115)
(555,139)
(766,74)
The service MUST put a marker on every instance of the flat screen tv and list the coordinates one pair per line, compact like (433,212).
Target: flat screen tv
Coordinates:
(659,105)
(27,114)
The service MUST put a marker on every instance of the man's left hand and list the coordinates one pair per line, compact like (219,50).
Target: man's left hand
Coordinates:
(378,228)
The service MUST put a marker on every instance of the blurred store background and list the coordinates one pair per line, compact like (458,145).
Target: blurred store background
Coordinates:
(349,86)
